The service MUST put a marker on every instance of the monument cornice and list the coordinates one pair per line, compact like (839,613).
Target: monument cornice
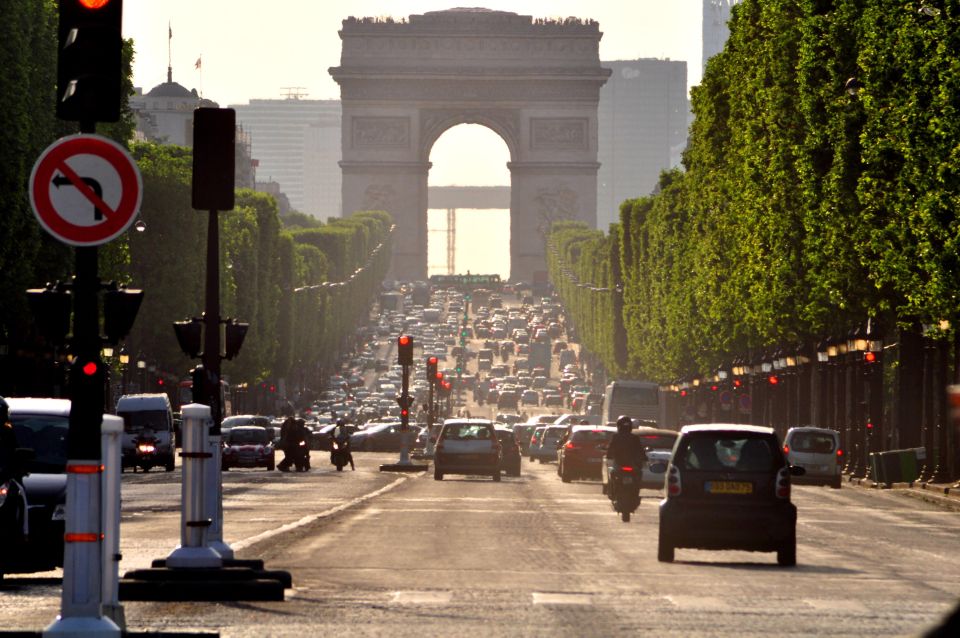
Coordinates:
(379,167)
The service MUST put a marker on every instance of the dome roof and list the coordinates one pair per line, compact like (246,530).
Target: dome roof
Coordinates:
(171,89)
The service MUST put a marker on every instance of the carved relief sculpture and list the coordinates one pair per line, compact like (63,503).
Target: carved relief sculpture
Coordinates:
(381,132)
(558,134)
(378,197)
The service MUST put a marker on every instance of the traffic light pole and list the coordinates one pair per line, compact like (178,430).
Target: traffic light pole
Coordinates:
(81,598)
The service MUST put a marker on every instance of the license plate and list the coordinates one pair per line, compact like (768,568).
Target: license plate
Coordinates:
(728,487)
(628,480)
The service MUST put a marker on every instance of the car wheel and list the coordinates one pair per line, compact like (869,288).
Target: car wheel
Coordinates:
(437,475)
(565,476)
(625,517)
(496,477)
(664,550)
(787,554)
(836,483)
(271,466)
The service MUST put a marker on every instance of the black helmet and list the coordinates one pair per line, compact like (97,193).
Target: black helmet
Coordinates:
(624,424)
(340,423)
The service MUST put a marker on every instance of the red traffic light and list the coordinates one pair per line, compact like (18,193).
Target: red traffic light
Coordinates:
(94,4)
(405,350)
(870,357)
(432,361)
(440,377)
(160,381)
(773,379)
(90,368)
(714,388)
(683,393)
(737,383)
(404,412)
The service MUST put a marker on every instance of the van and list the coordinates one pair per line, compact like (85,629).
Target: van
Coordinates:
(142,413)
(636,399)
(817,450)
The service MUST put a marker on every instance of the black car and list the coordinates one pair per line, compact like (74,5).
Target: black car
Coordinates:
(510,457)
(40,426)
(728,487)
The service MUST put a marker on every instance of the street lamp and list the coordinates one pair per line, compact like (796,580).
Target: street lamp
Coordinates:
(142,367)
(124,362)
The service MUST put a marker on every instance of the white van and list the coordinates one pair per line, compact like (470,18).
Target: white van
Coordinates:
(816,450)
(143,412)
(639,400)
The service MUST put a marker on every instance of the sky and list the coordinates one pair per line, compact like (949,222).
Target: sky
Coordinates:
(251,49)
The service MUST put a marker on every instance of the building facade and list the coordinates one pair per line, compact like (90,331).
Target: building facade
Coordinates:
(644,115)
(297,145)
(716,14)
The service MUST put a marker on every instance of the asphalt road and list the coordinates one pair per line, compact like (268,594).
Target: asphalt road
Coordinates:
(376,554)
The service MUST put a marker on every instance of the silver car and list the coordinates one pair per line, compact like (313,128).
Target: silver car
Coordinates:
(816,450)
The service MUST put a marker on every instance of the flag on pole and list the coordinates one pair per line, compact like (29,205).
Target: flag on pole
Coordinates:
(196,65)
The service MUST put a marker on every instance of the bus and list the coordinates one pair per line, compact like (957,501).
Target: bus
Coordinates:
(639,400)
(185,396)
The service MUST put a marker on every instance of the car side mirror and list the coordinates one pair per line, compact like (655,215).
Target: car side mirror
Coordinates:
(796,470)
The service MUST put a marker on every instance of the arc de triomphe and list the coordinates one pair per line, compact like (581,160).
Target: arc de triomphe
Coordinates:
(536,83)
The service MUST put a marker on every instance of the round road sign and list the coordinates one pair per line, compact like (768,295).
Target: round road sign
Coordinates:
(85,190)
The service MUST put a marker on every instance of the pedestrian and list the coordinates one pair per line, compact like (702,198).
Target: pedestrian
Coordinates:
(302,435)
(287,444)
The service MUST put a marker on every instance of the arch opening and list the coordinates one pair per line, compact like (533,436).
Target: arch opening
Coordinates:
(468,202)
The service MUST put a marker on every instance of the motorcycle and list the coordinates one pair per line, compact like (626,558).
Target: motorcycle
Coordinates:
(340,454)
(146,452)
(624,490)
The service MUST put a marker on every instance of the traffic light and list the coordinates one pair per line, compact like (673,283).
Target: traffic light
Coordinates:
(51,311)
(89,60)
(87,382)
(201,385)
(235,333)
(120,308)
(432,369)
(405,350)
(214,163)
(438,379)
(188,336)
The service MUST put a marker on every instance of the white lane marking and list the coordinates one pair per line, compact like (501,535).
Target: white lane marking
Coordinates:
(306,520)
(698,602)
(832,604)
(422,597)
(557,598)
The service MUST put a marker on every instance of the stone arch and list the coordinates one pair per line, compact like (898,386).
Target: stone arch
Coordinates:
(536,83)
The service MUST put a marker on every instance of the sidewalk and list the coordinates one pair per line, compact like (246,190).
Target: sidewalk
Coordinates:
(942,494)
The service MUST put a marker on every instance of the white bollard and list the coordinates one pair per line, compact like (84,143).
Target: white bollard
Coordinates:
(214,498)
(80,612)
(195,522)
(110,432)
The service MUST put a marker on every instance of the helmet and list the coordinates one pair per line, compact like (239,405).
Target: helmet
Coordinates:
(4,411)
(340,423)
(624,424)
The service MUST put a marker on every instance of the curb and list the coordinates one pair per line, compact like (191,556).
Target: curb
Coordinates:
(941,495)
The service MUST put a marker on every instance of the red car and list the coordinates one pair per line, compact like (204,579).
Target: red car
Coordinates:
(582,455)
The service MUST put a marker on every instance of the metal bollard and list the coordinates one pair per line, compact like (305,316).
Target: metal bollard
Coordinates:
(214,497)
(110,432)
(195,521)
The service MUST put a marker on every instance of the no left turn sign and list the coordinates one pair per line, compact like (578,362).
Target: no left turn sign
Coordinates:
(85,190)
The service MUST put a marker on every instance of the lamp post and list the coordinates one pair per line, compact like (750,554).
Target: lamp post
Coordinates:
(873,372)
(857,346)
(107,354)
(142,367)
(823,384)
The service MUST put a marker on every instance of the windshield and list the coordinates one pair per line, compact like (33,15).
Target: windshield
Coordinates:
(155,420)
(243,435)
(46,435)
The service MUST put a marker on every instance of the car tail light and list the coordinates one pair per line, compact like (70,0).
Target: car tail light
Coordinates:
(783,483)
(4,490)
(786,449)
(839,452)
(626,468)
(673,482)
(570,445)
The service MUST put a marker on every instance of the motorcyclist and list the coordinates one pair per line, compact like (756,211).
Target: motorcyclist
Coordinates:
(302,438)
(625,448)
(342,437)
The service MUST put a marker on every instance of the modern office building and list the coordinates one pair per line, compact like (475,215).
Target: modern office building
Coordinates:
(716,14)
(297,144)
(643,118)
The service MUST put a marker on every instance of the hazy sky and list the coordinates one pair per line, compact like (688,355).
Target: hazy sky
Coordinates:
(253,49)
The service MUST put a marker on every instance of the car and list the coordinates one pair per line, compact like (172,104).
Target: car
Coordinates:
(658,444)
(728,487)
(467,446)
(530,397)
(552,399)
(322,437)
(816,450)
(248,446)
(581,456)
(243,419)
(509,451)
(40,425)
(546,452)
(382,437)
(507,399)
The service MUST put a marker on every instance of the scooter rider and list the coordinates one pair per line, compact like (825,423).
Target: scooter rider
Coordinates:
(288,444)
(342,438)
(625,447)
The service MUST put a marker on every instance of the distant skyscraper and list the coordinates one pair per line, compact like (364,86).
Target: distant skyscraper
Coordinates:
(643,119)
(297,144)
(716,13)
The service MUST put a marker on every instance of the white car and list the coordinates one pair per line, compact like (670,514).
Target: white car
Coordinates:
(816,450)
(467,446)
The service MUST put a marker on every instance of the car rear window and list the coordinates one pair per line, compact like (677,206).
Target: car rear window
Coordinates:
(658,441)
(466,432)
(592,436)
(813,442)
(46,435)
(729,452)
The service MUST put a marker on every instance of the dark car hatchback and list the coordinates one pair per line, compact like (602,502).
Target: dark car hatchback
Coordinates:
(728,487)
